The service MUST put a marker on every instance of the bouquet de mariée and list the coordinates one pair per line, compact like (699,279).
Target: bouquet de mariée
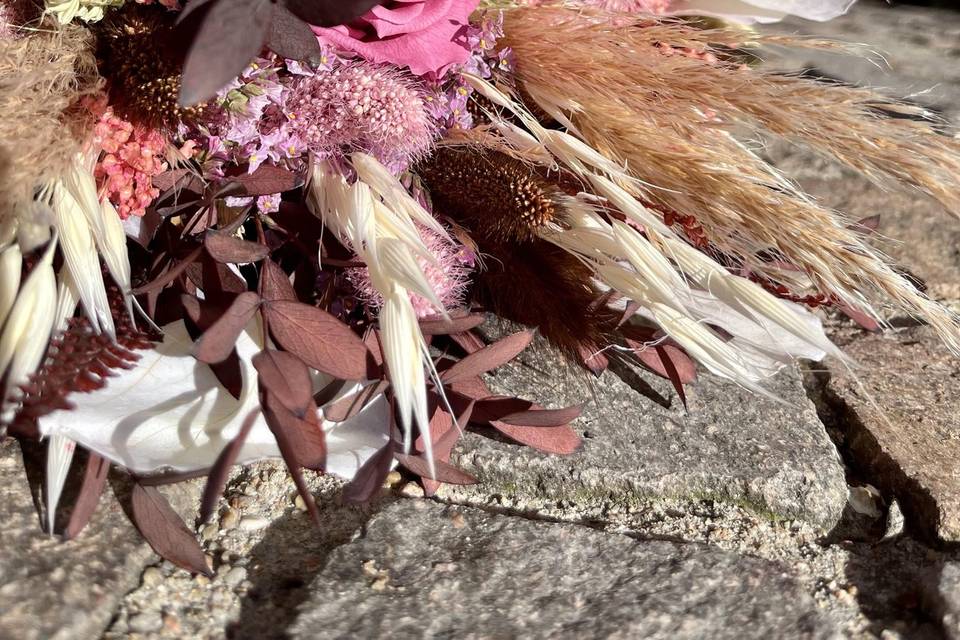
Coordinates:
(243,229)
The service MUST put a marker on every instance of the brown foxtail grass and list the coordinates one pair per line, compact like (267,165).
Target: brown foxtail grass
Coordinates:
(43,77)
(658,97)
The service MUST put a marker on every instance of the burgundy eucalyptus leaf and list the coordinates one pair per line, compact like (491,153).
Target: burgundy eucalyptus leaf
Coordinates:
(559,440)
(468,341)
(288,451)
(488,358)
(594,360)
(543,417)
(287,378)
(330,13)
(492,408)
(274,282)
(214,278)
(474,388)
(655,357)
(349,406)
(317,338)
(173,179)
(169,275)
(865,321)
(94,480)
(229,248)
(445,472)
(230,34)
(305,435)
(290,37)
(266,180)
(369,477)
(375,357)
(220,471)
(163,529)
(218,341)
(867,225)
(456,324)
(329,392)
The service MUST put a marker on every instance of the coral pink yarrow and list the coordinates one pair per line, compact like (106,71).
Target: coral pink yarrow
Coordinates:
(131,156)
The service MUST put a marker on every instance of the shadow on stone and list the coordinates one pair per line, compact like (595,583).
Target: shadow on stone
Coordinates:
(284,563)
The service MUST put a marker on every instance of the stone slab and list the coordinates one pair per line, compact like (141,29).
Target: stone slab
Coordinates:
(898,408)
(53,590)
(422,570)
(773,457)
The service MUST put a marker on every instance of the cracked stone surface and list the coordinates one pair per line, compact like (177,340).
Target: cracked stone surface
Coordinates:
(422,570)
(943,594)
(899,406)
(772,457)
(55,590)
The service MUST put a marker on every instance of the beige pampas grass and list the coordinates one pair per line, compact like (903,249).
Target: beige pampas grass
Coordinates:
(658,99)
(42,79)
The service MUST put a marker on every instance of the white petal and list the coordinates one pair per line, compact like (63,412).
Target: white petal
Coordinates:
(170,412)
(59,456)
(11,262)
(747,11)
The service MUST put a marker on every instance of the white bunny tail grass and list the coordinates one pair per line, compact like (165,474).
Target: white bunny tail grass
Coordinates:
(27,329)
(376,219)
(658,99)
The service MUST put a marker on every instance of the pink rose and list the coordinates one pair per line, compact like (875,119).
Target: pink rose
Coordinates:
(428,36)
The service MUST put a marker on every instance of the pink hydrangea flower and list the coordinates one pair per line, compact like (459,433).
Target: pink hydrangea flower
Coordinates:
(448,277)
(428,36)
(131,156)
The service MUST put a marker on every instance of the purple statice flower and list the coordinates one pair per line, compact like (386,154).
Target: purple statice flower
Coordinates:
(451,94)
(359,106)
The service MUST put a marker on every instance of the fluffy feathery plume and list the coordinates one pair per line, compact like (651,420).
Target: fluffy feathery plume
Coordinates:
(447,273)
(358,106)
(663,116)
(42,81)
(630,264)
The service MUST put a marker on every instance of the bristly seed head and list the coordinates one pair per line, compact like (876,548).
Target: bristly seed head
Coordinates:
(493,195)
(142,66)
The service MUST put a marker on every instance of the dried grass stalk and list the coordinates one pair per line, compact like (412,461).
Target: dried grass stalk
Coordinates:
(632,90)
(43,77)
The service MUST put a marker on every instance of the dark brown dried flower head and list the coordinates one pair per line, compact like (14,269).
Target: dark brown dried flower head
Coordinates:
(495,196)
(143,66)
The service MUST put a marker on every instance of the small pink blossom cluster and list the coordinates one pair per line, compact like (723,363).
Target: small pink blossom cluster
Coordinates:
(358,106)
(132,155)
(173,5)
(656,7)
(448,276)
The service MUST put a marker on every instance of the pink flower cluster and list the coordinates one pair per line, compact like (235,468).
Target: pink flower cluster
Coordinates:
(132,155)
(657,7)
(448,276)
(358,106)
